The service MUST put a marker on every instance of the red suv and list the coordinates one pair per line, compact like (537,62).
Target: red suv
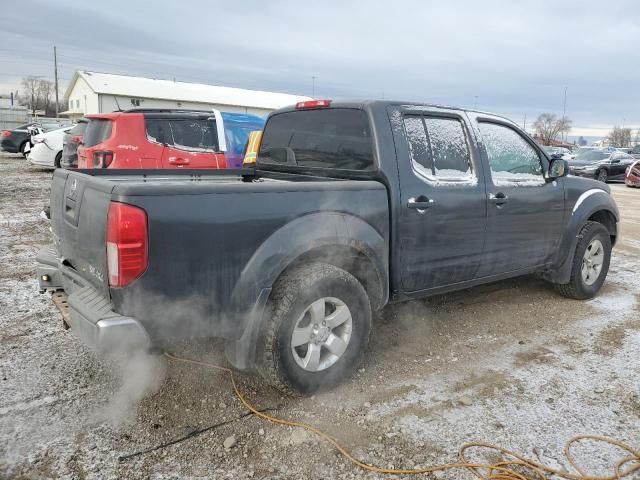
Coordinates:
(153,139)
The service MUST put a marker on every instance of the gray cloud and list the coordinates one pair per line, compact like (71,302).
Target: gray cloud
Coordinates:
(516,57)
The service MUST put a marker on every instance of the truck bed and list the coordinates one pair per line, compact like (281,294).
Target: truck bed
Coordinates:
(215,237)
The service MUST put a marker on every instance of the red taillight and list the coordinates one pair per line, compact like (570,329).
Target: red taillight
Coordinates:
(5,133)
(76,139)
(126,243)
(102,159)
(313,104)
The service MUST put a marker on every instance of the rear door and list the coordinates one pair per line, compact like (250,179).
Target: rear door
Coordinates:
(191,142)
(443,209)
(524,211)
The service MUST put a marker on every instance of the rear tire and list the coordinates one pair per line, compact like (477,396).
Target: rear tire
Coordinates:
(587,279)
(22,146)
(56,162)
(602,176)
(317,328)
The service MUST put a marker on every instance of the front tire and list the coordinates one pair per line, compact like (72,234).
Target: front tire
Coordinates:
(56,162)
(602,176)
(317,329)
(590,263)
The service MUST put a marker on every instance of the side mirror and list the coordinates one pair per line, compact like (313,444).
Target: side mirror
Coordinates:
(558,168)
(615,160)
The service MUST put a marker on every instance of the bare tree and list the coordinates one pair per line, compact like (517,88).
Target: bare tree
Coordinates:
(45,90)
(548,127)
(619,137)
(30,99)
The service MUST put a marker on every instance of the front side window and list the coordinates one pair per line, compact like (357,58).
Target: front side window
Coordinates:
(511,158)
(336,138)
(438,147)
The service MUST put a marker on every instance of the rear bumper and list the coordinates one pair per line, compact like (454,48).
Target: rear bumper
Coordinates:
(8,146)
(632,181)
(90,314)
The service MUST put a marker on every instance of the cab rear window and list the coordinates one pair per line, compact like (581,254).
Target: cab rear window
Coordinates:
(336,138)
(98,130)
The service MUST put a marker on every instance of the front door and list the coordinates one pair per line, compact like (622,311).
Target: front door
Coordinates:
(441,225)
(524,210)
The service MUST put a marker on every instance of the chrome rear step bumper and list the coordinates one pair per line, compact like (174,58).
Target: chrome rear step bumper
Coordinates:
(86,310)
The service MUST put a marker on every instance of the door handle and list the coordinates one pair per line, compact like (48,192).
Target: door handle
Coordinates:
(421,203)
(178,161)
(498,198)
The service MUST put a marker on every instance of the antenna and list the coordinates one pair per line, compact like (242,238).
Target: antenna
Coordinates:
(117,104)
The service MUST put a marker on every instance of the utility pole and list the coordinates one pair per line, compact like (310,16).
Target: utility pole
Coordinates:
(55,69)
(313,86)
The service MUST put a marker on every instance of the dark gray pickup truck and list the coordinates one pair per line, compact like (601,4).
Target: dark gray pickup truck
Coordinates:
(352,205)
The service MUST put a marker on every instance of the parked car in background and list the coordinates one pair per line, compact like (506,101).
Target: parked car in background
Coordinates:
(602,165)
(70,142)
(237,128)
(16,140)
(635,151)
(153,138)
(47,148)
(632,175)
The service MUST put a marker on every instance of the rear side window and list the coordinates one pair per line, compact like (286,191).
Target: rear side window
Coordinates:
(186,134)
(336,138)
(196,134)
(97,131)
(438,147)
(78,129)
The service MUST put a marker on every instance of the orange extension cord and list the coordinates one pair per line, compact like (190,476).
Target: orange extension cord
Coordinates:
(515,469)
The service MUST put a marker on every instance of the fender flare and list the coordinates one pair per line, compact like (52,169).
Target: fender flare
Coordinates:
(292,241)
(588,205)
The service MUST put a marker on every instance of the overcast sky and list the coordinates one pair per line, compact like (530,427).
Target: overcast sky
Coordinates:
(510,57)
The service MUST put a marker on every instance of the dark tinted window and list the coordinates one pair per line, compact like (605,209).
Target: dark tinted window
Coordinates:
(97,132)
(334,138)
(438,147)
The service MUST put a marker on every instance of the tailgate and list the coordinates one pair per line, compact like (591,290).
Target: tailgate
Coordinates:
(79,206)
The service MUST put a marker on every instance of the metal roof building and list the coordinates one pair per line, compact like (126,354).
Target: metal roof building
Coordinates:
(94,92)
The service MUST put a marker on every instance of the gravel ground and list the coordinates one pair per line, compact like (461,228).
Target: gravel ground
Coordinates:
(510,363)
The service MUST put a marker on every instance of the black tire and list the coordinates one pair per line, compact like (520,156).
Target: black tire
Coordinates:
(291,298)
(56,162)
(602,175)
(22,145)
(577,288)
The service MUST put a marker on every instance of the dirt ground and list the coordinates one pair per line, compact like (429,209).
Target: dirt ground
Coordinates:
(510,363)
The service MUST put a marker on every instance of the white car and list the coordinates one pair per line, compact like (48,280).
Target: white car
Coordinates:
(47,148)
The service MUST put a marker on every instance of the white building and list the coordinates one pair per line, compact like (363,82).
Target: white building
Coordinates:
(93,92)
